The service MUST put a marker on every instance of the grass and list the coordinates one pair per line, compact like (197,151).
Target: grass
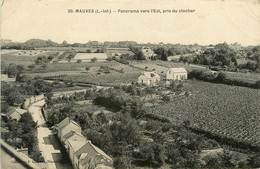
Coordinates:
(22,57)
(228,111)
(21,60)
(118,78)
(113,78)
(72,66)
(253,77)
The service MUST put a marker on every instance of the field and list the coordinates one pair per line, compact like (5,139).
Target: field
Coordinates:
(113,78)
(151,66)
(253,77)
(227,111)
(72,66)
(21,57)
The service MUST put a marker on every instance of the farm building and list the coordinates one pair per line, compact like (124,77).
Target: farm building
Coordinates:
(5,78)
(176,74)
(87,57)
(15,113)
(147,52)
(149,78)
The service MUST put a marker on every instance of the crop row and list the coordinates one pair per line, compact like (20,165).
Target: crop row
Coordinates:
(228,111)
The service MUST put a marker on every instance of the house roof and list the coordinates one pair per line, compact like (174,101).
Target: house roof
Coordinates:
(150,75)
(146,49)
(76,144)
(14,110)
(92,151)
(178,70)
(88,56)
(65,122)
(71,133)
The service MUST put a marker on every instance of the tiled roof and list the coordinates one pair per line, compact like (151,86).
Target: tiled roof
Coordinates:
(65,122)
(150,75)
(76,144)
(12,110)
(71,133)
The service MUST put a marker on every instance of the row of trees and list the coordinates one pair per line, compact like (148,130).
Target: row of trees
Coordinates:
(22,134)
(221,78)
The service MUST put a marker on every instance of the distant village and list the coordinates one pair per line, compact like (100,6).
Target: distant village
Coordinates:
(125,105)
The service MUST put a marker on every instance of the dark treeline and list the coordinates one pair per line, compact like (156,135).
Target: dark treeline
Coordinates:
(224,56)
(221,77)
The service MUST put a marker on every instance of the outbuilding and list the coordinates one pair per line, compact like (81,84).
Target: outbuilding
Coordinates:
(176,74)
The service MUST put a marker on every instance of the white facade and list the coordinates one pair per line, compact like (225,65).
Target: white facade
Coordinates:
(147,52)
(176,74)
(149,78)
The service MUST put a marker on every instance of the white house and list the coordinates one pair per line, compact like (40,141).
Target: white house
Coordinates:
(83,155)
(147,52)
(149,78)
(67,125)
(176,74)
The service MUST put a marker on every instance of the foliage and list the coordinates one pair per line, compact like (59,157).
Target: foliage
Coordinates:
(138,53)
(13,70)
(94,59)
(225,111)
(162,53)
(24,129)
(221,77)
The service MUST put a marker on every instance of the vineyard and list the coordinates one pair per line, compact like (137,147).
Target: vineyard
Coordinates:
(227,111)
(118,78)
(151,66)
(73,66)
(16,59)
(113,78)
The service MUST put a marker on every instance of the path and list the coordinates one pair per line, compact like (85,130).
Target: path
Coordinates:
(48,143)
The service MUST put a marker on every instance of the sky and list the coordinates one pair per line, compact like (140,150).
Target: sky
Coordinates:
(214,21)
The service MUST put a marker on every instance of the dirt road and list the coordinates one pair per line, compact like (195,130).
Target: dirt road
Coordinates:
(48,143)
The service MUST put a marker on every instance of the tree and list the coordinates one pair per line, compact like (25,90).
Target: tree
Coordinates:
(221,77)
(64,43)
(94,59)
(14,98)
(11,70)
(32,66)
(87,68)
(79,61)
(162,53)
(121,163)
(41,60)
(166,98)
(257,84)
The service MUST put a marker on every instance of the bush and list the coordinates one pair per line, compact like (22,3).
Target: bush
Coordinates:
(257,84)
(221,78)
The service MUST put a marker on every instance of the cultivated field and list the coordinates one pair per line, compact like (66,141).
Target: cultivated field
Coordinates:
(22,57)
(113,78)
(227,111)
(73,66)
